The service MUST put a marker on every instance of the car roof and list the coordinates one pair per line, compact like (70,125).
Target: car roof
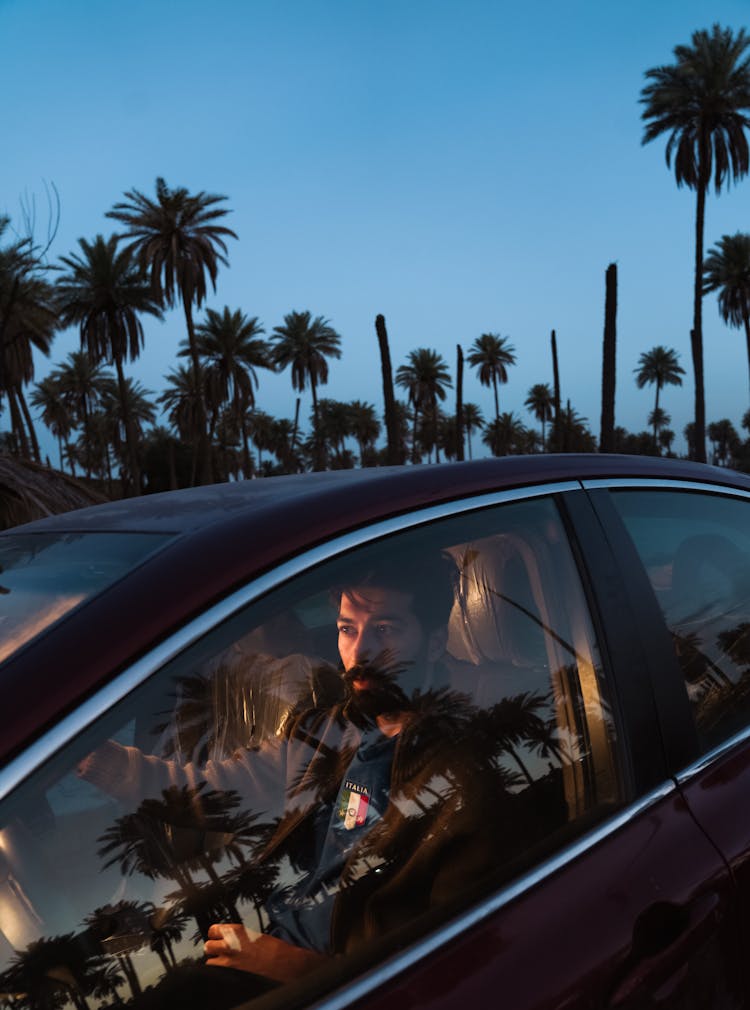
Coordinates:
(257,500)
(224,535)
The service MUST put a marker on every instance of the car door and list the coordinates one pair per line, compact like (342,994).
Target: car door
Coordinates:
(693,545)
(529,844)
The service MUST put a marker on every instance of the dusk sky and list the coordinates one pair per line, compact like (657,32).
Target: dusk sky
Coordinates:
(460,167)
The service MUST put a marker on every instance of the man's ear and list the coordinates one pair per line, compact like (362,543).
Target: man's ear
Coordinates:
(437,641)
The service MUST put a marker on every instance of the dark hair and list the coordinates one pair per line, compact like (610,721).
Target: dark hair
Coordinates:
(430,579)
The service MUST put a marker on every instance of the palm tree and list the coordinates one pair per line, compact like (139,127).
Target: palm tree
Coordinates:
(658,419)
(503,434)
(305,344)
(364,426)
(473,421)
(177,240)
(492,355)
(105,293)
(426,379)
(27,322)
(127,406)
(700,102)
(81,382)
(539,401)
(727,270)
(658,367)
(725,439)
(230,351)
(336,425)
(182,398)
(47,398)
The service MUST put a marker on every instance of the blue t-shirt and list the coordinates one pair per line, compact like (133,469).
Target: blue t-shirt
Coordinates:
(301,913)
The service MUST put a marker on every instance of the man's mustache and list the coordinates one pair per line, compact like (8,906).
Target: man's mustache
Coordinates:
(382,670)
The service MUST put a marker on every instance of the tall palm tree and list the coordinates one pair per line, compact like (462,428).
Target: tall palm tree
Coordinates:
(539,401)
(473,421)
(305,344)
(104,293)
(658,367)
(230,349)
(492,355)
(177,239)
(700,101)
(727,270)
(426,380)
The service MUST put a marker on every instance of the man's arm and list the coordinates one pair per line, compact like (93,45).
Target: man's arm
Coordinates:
(231,945)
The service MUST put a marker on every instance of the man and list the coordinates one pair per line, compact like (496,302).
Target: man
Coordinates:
(377,801)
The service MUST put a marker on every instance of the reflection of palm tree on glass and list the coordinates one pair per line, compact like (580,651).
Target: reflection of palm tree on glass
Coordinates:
(50,971)
(186,831)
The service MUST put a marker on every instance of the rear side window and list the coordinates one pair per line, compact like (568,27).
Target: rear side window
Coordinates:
(333,772)
(43,576)
(696,550)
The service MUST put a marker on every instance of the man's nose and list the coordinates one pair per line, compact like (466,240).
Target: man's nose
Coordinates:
(363,647)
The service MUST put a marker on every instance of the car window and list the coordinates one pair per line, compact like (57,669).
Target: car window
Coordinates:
(335,770)
(696,550)
(43,576)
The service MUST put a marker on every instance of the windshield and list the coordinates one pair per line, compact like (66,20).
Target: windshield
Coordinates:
(43,576)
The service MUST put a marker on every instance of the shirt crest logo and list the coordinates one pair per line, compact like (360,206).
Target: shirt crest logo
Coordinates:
(353,804)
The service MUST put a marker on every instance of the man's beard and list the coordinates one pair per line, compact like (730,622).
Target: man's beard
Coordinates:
(386,692)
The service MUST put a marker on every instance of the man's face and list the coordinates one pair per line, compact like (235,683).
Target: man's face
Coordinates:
(383,647)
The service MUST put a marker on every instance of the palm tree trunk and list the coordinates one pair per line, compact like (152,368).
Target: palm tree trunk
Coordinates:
(29,424)
(130,438)
(746,321)
(696,334)
(414,436)
(556,378)
(607,431)
(16,423)
(497,405)
(203,448)
(393,451)
(459,403)
(317,454)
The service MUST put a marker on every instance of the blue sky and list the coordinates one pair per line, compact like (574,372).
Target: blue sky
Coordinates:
(461,167)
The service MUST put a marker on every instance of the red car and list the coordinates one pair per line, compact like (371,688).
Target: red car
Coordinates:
(435,736)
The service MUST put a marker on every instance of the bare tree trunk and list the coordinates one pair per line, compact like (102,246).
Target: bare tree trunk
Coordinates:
(393,452)
(556,421)
(609,348)
(459,403)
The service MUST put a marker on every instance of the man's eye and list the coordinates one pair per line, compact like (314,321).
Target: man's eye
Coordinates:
(345,629)
(385,629)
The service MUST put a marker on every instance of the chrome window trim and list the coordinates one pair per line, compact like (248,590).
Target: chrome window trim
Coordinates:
(650,483)
(400,962)
(47,745)
(684,777)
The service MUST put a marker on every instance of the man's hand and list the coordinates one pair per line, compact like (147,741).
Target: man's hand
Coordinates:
(231,945)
